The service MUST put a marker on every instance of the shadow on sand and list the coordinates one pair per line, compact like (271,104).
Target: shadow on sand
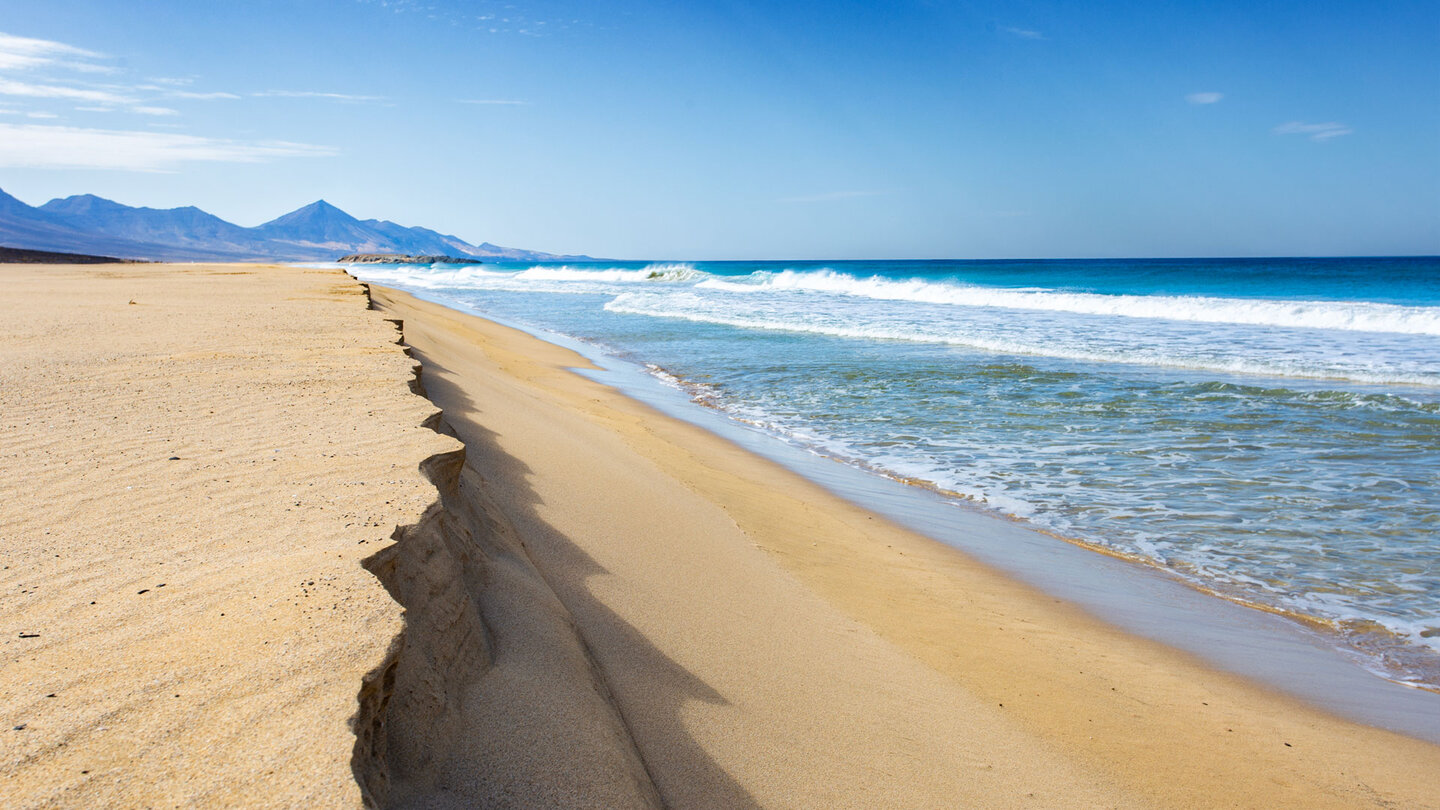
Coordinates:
(496,693)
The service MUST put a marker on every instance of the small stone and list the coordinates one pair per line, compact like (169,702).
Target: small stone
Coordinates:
(142,590)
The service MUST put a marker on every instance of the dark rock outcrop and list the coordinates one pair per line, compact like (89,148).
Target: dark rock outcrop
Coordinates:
(10,255)
(402,258)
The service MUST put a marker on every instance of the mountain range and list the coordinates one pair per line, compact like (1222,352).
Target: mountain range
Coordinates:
(318,232)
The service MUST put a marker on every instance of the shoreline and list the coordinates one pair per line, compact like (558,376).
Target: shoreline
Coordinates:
(1417,718)
(1295,653)
(1291,541)
(1141,719)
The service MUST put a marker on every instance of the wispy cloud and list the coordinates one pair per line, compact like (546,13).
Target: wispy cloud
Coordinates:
(1023,33)
(1317,132)
(31,146)
(38,68)
(14,88)
(315,94)
(25,53)
(1204,98)
(191,95)
(499,101)
(831,196)
(489,16)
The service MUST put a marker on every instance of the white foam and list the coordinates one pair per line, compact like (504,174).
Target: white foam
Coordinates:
(695,308)
(614,275)
(425,277)
(1351,316)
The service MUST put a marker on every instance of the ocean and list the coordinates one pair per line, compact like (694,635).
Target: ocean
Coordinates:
(1268,430)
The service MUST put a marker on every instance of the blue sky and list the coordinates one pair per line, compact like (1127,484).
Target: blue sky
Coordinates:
(751,129)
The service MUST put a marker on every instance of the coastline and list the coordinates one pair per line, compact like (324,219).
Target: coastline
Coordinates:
(606,607)
(1300,654)
(1075,703)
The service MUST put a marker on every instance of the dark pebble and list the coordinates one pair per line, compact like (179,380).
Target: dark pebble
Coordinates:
(142,590)
(174,458)
(29,635)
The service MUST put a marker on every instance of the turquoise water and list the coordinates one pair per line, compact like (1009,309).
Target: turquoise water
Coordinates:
(1267,429)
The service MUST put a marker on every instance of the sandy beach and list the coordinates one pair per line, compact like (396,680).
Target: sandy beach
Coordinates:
(194,460)
(203,468)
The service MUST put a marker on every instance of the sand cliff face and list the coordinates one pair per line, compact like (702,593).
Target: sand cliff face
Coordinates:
(489,696)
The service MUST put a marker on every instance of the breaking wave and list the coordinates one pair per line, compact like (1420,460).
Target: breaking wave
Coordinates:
(700,309)
(1361,316)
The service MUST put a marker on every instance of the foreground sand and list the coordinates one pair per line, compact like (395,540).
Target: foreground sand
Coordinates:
(193,631)
(608,608)
(668,618)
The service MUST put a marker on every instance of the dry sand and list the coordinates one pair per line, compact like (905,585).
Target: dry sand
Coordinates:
(200,625)
(607,607)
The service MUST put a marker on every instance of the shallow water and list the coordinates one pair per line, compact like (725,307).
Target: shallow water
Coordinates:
(1267,429)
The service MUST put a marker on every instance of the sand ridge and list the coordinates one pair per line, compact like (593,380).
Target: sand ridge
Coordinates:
(194,461)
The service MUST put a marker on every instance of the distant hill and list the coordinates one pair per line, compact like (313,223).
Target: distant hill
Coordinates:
(86,223)
(22,226)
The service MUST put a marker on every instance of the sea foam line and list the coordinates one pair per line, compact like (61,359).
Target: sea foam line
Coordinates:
(1353,316)
(562,278)
(648,273)
(690,307)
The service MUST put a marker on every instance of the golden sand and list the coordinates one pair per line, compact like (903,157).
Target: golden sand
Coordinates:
(193,461)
